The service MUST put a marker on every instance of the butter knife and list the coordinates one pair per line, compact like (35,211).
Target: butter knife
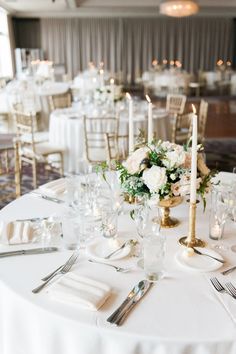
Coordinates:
(29,251)
(146,286)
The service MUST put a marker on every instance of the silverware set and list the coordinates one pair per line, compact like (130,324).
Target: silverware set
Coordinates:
(59,271)
(228,288)
(134,296)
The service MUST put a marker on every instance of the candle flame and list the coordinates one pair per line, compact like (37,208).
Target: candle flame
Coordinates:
(128,96)
(194,109)
(148,99)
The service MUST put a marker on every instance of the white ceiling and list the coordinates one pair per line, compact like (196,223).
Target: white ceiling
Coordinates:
(41,8)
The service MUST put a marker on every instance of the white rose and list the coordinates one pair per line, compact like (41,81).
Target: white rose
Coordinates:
(174,158)
(155,178)
(133,162)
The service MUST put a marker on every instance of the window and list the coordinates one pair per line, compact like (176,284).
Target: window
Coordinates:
(5,48)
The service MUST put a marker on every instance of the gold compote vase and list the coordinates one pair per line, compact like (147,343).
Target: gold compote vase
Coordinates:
(166,220)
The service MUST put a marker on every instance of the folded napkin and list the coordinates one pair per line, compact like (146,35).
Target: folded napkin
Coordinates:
(54,188)
(78,290)
(16,232)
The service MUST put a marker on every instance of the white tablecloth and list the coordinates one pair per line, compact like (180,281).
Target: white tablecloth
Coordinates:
(66,129)
(181,314)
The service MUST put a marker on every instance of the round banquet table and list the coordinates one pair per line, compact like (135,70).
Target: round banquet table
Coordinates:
(66,129)
(181,314)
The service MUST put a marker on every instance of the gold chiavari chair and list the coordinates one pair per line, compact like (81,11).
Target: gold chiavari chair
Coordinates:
(9,171)
(32,152)
(181,128)
(202,118)
(116,147)
(175,104)
(59,101)
(94,136)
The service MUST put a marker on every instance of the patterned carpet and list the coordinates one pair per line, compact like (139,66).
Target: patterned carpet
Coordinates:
(220,154)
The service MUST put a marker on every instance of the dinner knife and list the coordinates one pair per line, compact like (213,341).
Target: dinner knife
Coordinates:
(51,199)
(141,286)
(140,294)
(29,251)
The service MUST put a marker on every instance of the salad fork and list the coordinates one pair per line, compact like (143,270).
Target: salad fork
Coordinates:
(219,287)
(65,269)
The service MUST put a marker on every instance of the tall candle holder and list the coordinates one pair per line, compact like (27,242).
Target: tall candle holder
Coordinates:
(191,240)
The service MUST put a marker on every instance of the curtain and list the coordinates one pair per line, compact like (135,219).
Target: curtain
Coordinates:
(130,44)
(12,41)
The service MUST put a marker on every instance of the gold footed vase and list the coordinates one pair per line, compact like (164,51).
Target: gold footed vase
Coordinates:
(166,220)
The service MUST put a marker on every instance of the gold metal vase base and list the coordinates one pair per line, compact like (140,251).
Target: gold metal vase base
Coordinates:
(191,240)
(166,221)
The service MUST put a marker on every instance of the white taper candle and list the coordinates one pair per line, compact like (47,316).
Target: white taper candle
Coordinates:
(193,187)
(150,125)
(131,124)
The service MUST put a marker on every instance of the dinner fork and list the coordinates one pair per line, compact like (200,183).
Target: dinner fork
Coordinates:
(219,287)
(118,269)
(65,269)
(56,270)
(231,289)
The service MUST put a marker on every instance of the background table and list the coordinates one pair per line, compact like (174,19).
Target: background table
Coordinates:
(181,314)
(66,129)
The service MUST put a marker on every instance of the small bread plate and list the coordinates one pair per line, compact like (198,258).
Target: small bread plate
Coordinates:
(101,248)
(196,262)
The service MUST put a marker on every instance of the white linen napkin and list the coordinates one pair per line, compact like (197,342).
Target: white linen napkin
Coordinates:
(16,232)
(78,290)
(227,301)
(54,188)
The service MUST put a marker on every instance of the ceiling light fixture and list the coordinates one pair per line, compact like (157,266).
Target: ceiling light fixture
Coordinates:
(179,8)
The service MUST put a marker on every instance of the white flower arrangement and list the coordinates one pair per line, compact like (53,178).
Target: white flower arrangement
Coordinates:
(162,170)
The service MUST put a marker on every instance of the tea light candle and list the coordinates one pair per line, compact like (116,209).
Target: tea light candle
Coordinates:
(215,231)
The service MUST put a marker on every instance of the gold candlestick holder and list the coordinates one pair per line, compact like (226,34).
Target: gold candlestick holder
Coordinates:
(191,240)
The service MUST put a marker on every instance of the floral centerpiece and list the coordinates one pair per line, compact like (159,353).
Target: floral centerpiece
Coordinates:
(162,170)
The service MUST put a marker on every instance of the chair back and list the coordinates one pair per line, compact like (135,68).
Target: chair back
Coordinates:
(9,171)
(94,136)
(203,111)
(26,125)
(116,147)
(175,104)
(59,101)
(181,128)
